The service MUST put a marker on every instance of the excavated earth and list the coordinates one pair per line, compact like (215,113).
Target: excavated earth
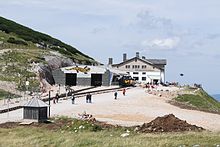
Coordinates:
(168,123)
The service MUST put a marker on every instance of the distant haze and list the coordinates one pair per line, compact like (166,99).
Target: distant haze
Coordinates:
(186,33)
(216,96)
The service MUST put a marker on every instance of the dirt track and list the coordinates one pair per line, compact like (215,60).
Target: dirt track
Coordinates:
(136,108)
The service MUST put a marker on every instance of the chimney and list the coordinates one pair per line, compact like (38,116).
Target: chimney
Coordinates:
(137,54)
(143,57)
(110,61)
(124,57)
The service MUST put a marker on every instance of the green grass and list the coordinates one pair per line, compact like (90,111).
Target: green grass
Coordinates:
(4,94)
(15,66)
(31,136)
(63,133)
(26,34)
(200,100)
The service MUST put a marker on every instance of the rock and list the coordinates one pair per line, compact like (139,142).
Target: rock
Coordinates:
(125,134)
(45,71)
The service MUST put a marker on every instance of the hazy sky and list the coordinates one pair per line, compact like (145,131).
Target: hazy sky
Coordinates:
(185,32)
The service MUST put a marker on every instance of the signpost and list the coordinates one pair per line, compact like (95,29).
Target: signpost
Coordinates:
(8,101)
(49,104)
(26,85)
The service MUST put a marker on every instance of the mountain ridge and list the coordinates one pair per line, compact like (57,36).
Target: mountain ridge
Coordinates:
(41,40)
(26,54)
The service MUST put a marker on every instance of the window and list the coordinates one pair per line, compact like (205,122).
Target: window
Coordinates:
(144,66)
(143,73)
(138,66)
(143,78)
(127,66)
(128,73)
(135,73)
(132,66)
(136,78)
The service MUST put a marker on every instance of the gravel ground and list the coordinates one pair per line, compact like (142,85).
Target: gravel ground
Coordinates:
(135,108)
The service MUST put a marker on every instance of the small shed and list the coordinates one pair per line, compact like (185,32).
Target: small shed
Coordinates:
(35,109)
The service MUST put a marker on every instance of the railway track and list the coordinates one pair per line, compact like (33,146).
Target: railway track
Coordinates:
(78,94)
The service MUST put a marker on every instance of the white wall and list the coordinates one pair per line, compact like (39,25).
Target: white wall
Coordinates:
(147,75)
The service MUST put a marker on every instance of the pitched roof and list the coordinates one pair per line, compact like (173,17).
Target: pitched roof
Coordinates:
(158,61)
(35,102)
(153,62)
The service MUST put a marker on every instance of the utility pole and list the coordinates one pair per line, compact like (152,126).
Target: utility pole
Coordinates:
(49,104)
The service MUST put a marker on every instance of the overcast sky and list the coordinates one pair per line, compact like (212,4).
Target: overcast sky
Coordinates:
(184,32)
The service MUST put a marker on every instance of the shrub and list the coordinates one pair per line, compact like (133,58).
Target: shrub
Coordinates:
(14,41)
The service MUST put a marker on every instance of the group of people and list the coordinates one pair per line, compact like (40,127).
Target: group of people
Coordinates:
(88,97)
(116,93)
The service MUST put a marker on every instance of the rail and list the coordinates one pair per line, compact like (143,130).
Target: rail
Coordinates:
(77,95)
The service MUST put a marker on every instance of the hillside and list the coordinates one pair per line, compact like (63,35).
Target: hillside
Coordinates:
(28,55)
(197,99)
(23,35)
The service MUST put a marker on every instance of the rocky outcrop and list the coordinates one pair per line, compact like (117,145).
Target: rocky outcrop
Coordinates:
(53,62)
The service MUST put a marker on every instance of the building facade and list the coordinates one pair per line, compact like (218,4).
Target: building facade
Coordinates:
(84,75)
(141,69)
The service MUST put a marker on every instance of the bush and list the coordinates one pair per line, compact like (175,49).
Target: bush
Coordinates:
(14,41)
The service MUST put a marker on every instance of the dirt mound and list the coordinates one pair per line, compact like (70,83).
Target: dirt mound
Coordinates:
(168,123)
(9,125)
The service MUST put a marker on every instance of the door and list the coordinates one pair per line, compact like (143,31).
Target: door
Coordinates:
(96,79)
(71,79)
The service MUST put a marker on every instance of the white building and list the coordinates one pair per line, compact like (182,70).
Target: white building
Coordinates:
(141,69)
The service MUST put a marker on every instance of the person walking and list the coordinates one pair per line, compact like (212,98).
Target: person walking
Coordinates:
(90,98)
(54,100)
(87,98)
(116,94)
(57,97)
(73,98)
(123,91)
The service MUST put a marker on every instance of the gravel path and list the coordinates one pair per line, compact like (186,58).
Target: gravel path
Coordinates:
(135,108)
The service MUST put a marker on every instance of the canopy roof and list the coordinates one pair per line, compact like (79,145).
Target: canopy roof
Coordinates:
(84,69)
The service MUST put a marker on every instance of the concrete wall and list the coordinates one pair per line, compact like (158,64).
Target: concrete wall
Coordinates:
(83,81)
(106,78)
(146,75)
(163,76)
(59,77)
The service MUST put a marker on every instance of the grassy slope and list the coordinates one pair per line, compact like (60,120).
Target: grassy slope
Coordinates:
(15,65)
(30,36)
(200,100)
(23,136)
(5,94)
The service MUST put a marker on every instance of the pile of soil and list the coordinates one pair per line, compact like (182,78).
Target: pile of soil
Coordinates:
(168,123)
(57,124)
